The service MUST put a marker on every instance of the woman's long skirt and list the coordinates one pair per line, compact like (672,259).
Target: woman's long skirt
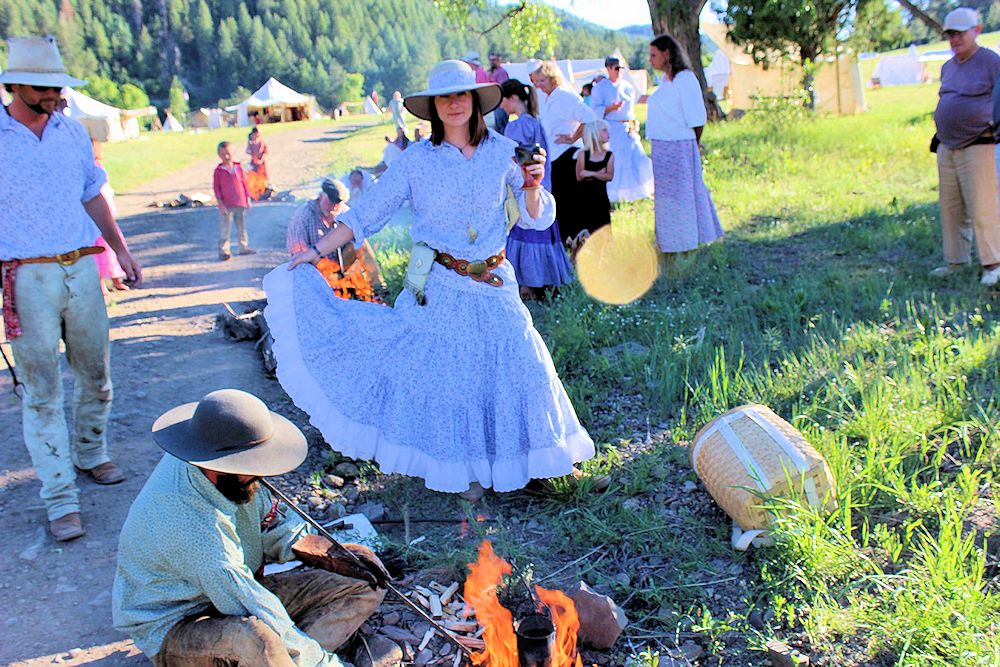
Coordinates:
(684,212)
(459,390)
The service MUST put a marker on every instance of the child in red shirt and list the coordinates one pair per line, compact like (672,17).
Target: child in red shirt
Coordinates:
(233,198)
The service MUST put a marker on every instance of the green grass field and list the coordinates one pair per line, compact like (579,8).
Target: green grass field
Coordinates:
(817,304)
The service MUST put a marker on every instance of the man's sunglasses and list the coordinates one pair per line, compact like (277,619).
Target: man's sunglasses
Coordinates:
(45,89)
(617,67)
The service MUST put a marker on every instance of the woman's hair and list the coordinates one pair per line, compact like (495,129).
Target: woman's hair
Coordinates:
(675,54)
(592,136)
(551,70)
(514,88)
(477,124)
(252,133)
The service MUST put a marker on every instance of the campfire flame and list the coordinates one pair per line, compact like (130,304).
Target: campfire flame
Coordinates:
(355,284)
(485,576)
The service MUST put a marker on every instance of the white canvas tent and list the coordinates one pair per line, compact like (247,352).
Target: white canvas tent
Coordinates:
(171,124)
(837,81)
(104,122)
(275,102)
(206,118)
(900,69)
(371,108)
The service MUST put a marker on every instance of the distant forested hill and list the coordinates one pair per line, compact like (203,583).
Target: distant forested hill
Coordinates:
(220,49)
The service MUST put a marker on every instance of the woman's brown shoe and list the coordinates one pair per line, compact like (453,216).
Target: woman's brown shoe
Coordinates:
(66,528)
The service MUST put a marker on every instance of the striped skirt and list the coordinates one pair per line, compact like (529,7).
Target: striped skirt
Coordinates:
(684,212)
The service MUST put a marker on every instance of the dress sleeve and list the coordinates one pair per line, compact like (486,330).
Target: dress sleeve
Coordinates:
(378,205)
(692,100)
(583,113)
(519,133)
(547,214)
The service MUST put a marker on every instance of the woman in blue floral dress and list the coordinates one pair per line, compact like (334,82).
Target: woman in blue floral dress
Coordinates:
(453,384)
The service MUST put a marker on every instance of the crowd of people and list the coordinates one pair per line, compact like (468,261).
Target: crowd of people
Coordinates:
(452,385)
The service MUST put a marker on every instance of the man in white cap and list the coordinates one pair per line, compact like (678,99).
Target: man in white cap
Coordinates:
(52,212)
(967,171)
(190,589)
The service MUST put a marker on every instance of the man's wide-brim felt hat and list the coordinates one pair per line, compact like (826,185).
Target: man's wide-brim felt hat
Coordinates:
(446,78)
(35,61)
(231,431)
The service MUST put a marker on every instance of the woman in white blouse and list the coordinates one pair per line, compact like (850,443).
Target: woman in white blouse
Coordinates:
(684,212)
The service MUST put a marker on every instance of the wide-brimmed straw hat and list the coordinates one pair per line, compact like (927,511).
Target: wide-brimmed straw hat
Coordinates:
(233,432)
(35,61)
(447,77)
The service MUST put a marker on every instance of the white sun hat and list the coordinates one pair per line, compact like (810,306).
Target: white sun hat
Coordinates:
(35,61)
(962,19)
(447,77)
(472,57)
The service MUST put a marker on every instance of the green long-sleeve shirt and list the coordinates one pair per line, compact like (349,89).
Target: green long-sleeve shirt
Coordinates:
(185,548)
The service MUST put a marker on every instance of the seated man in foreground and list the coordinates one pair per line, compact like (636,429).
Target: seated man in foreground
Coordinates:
(189,588)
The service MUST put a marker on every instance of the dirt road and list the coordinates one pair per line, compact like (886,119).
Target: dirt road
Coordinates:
(165,351)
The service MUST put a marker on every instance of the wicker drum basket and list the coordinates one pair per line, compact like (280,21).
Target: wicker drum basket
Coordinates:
(751,452)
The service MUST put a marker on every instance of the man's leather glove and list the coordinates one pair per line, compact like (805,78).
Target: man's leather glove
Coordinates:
(318,551)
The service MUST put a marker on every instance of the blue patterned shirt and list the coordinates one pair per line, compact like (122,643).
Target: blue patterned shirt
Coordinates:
(43,185)
(185,548)
(458,202)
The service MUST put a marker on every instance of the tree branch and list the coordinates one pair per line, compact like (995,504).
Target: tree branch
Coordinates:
(506,17)
(924,17)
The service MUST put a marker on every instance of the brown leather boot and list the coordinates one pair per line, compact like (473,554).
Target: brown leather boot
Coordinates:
(106,473)
(66,528)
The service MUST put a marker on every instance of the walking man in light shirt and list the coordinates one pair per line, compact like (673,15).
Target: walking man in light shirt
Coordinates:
(53,210)
(967,171)
(614,99)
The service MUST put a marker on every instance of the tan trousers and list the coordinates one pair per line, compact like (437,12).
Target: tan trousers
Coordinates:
(326,606)
(237,215)
(970,206)
(63,302)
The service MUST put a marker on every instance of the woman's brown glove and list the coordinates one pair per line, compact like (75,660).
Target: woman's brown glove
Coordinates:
(318,551)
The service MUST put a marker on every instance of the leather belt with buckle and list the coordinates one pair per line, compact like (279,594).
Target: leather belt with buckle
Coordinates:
(479,270)
(66,259)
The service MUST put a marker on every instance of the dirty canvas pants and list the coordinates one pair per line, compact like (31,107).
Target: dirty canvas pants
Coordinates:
(63,302)
(324,605)
(237,215)
(969,203)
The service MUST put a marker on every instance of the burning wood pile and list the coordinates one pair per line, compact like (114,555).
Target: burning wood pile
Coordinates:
(496,617)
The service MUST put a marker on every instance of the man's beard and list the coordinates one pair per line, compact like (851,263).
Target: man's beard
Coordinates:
(37,108)
(234,490)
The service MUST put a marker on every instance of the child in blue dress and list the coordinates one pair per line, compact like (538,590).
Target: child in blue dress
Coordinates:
(453,384)
(538,257)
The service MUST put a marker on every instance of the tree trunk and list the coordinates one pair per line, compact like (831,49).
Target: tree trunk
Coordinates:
(680,18)
(924,17)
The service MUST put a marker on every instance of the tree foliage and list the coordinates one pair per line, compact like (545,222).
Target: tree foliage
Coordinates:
(801,28)
(335,50)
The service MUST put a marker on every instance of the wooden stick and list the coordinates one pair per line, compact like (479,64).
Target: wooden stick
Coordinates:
(426,640)
(436,610)
(448,592)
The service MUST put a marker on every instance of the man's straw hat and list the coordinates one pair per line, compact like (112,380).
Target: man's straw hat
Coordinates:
(447,77)
(233,432)
(35,61)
